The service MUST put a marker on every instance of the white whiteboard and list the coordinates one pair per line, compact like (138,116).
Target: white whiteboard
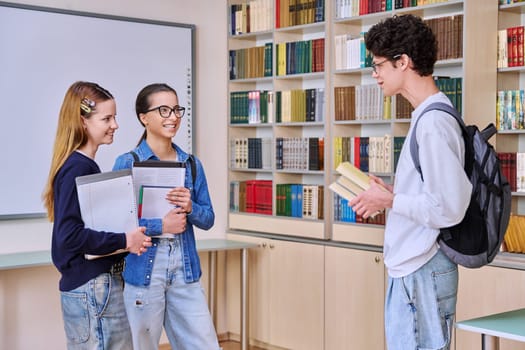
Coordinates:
(43,51)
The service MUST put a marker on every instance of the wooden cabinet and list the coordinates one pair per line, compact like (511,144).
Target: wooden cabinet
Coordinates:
(354,299)
(286,293)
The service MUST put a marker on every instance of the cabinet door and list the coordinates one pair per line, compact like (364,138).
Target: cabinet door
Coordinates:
(296,278)
(354,299)
(286,293)
(487,291)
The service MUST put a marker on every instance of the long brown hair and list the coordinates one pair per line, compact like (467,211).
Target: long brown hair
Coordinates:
(79,102)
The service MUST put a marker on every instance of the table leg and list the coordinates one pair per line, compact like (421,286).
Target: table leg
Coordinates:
(212,285)
(489,342)
(244,300)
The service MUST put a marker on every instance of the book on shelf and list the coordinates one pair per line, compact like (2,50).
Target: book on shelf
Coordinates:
(251,196)
(299,200)
(510,109)
(312,202)
(514,238)
(293,13)
(344,213)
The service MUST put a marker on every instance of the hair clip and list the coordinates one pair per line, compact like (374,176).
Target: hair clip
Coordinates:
(87,105)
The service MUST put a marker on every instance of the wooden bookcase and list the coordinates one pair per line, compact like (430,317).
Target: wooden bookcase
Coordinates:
(307,76)
(512,78)
(477,85)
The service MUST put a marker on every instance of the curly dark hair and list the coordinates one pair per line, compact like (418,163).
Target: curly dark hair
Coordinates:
(406,34)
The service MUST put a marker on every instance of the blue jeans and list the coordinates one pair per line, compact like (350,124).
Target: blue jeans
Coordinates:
(420,307)
(94,315)
(168,301)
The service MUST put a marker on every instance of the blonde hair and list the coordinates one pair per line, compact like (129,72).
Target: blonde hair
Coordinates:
(79,102)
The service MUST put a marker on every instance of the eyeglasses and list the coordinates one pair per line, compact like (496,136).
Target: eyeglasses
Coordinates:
(375,65)
(165,111)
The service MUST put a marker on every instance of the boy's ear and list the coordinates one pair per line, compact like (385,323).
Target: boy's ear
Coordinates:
(404,60)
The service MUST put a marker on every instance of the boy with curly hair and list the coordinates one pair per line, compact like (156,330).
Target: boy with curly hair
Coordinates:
(420,302)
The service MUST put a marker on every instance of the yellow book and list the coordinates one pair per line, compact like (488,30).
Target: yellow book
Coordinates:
(342,191)
(338,150)
(519,232)
(354,174)
(349,185)
(509,235)
(387,107)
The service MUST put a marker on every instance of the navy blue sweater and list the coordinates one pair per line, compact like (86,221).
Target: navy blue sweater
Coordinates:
(71,240)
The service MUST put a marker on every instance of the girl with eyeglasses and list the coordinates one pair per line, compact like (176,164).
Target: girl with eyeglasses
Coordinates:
(90,290)
(162,286)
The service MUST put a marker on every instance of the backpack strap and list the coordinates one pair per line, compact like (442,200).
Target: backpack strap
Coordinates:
(414,147)
(135,156)
(193,167)
(191,160)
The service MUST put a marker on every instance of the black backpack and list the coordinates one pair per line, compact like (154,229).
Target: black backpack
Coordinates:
(476,240)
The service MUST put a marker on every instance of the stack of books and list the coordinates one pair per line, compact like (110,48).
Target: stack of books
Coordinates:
(351,182)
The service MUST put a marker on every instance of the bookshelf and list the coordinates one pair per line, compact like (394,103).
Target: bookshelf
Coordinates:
(390,122)
(261,70)
(510,81)
(285,110)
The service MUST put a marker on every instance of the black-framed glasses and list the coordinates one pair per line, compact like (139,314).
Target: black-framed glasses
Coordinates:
(165,111)
(378,64)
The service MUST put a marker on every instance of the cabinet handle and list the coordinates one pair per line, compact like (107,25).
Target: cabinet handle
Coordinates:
(272,246)
(377,259)
(263,244)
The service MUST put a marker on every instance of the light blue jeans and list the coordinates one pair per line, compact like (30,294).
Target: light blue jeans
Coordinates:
(94,315)
(420,307)
(168,301)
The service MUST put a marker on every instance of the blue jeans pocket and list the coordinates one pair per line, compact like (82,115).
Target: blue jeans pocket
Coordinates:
(445,284)
(76,316)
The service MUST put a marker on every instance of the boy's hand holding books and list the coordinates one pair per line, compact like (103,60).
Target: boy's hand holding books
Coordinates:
(377,198)
(368,195)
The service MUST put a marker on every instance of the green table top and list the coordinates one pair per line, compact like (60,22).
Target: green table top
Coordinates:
(42,258)
(509,325)
(205,245)
(25,259)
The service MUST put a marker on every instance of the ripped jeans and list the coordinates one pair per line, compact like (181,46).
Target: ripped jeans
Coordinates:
(420,307)
(168,301)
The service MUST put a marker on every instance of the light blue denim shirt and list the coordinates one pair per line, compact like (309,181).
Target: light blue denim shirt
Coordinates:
(138,268)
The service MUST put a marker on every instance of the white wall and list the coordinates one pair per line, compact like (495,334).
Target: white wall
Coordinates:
(22,291)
